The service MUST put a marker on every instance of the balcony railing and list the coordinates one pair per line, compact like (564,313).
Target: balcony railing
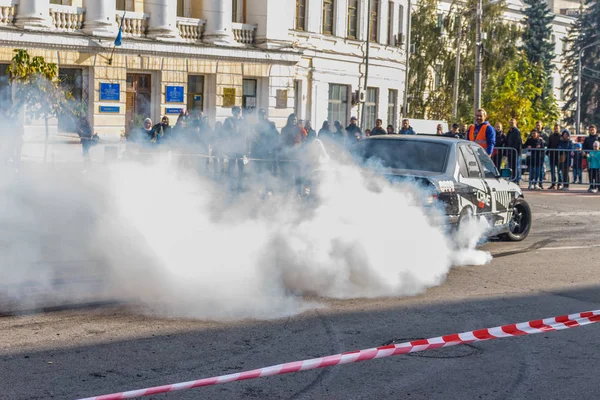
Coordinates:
(190,29)
(135,23)
(7,14)
(67,18)
(244,33)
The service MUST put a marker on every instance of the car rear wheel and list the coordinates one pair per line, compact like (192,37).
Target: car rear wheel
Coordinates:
(520,223)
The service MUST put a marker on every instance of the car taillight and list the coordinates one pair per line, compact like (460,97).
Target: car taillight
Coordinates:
(431,199)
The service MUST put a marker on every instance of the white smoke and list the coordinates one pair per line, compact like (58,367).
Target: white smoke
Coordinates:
(177,244)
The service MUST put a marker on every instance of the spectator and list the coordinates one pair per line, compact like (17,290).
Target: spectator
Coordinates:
(535,144)
(84,130)
(340,133)
(264,144)
(554,141)
(578,164)
(514,140)
(291,134)
(539,126)
(161,131)
(309,129)
(588,145)
(594,167)
(565,148)
(325,132)
(406,128)
(378,130)
(439,130)
(464,128)
(367,132)
(498,155)
(454,132)
(353,130)
(482,132)
(302,129)
(235,148)
(390,130)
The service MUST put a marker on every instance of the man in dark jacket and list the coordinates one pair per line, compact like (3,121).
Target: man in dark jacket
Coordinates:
(535,145)
(454,132)
(514,140)
(588,145)
(553,142)
(378,130)
(406,128)
(353,131)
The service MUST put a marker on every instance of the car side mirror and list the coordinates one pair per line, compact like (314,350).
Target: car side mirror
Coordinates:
(506,173)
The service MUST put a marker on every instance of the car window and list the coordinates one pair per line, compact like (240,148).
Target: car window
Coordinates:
(405,154)
(462,163)
(473,170)
(489,169)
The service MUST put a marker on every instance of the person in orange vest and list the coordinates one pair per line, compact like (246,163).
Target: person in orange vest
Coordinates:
(482,132)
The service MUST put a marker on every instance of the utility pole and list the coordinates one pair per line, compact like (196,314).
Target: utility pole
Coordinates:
(579,72)
(478,57)
(368,44)
(407,68)
(457,69)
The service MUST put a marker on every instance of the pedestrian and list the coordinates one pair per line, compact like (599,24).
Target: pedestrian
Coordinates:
(593,158)
(578,164)
(439,130)
(498,155)
(378,130)
(514,140)
(406,128)
(161,131)
(565,150)
(353,130)
(367,132)
(292,138)
(482,132)
(339,134)
(464,129)
(535,146)
(390,130)
(554,141)
(309,129)
(588,145)
(84,130)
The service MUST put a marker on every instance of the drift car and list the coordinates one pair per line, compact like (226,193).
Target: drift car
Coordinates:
(459,175)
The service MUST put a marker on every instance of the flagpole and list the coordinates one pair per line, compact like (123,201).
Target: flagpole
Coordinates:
(118,39)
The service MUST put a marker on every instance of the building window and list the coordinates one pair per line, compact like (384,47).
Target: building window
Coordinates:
(62,2)
(181,8)
(238,11)
(328,17)
(392,107)
(301,15)
(249,94)
(125,5)
(374,20)
(338,103)
(437,78)
(390,22)
(400,38)
(371,104)
(352,19)
(71,81)
(195,93)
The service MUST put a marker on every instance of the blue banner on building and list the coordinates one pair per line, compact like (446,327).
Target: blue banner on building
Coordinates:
(173,110)
(110,92)
(174,94)
(110,109)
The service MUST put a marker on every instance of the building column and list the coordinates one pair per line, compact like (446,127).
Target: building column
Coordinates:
(163,19)
(100,18)
(218,29)
(33,14)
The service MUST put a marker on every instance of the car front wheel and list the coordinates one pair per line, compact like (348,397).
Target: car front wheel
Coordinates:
(520,223)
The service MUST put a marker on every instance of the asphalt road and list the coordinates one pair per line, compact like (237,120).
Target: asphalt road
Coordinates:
(82,352)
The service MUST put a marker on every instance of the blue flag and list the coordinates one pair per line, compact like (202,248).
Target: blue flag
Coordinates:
(119,39)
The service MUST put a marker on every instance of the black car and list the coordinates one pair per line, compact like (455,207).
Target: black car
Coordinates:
(458,173)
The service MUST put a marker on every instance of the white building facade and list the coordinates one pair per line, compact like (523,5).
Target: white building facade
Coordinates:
(286,56)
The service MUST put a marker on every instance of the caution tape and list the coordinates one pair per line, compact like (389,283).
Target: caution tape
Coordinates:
(513,330)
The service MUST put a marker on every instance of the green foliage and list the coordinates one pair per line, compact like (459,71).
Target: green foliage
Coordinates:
(38,86)
(584,32)
(436,48)
(537,35)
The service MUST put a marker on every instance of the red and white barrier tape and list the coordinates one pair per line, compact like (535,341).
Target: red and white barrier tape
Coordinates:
(524,328)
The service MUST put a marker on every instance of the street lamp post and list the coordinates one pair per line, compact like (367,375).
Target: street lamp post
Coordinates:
(579,71)
(478,58)
(366,83)
(407,62)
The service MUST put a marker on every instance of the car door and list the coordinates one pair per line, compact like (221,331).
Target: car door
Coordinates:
(498,188)
(472,190)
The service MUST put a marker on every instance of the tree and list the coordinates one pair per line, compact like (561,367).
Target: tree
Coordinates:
(38,89)
(537,35)
(433,65)
(584,32)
